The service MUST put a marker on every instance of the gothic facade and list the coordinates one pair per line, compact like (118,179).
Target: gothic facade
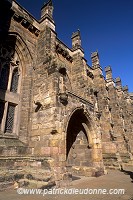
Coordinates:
(58,115)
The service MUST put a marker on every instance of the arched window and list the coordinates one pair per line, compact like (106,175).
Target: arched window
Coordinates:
(15,78)
(9,101)
(4,77)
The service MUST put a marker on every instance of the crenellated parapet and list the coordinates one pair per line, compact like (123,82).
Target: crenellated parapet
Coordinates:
(47,10)
(95,60)
(47,16)
(125,90)
(76,41)
(64,113)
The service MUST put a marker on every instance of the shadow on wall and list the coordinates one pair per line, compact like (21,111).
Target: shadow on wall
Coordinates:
(7,45)
(130,173)
(5,18)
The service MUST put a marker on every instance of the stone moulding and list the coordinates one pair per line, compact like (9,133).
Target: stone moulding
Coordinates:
(81,99)
(26,24)
(63,52)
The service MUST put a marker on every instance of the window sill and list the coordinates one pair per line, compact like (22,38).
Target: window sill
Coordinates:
(8,135)
(9,96)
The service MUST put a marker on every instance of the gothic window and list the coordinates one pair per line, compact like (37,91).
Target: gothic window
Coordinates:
(10,119)
(4,77)
(14,83)
(9,101)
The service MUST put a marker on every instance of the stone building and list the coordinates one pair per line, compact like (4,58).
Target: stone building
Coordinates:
(58,115)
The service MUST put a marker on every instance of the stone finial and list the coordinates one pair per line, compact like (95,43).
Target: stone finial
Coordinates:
(125,89)
(108,72)
(50,3)
(76,39)
(47,9)
(108,69)
(118,83)
(95,59)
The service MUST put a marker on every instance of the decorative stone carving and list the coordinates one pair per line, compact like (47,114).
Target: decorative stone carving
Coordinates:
(63,52)
(63,98)
(90,74)
(26,23)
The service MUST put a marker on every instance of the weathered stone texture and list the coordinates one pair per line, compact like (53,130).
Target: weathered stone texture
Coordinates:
(69,116)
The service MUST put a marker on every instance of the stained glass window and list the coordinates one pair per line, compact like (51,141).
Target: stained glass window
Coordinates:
(4,76)
(14,83)
(10,119)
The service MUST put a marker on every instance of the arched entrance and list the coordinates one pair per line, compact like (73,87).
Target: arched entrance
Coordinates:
(78,142)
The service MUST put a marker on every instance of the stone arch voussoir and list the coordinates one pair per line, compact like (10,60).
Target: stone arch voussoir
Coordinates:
(22,51)
(90,127)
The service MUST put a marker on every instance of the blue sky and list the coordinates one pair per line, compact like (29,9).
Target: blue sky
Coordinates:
(105,25)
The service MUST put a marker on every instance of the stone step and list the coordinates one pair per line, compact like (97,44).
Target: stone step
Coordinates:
(125,158)
(116,160)
(86,171)
(110,161)
(6,185)
(27,176)
(26,183)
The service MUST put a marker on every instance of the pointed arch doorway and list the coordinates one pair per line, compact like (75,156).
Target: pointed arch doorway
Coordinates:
(79,141)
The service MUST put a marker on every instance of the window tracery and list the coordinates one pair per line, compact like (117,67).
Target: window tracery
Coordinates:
(9,84)
(10,118)
(15,79)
